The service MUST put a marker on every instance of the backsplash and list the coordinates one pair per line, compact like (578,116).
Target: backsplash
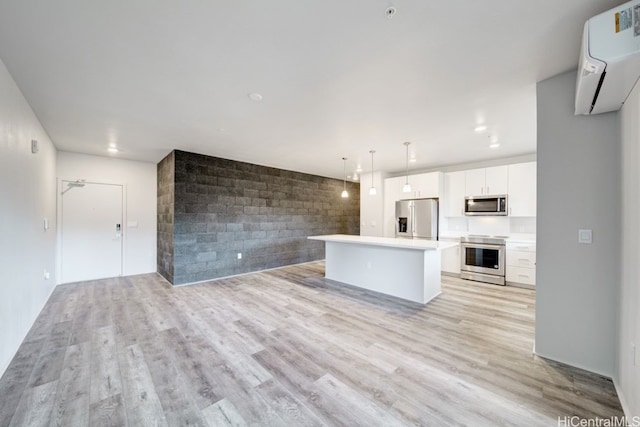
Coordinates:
(489,225)
(523,225)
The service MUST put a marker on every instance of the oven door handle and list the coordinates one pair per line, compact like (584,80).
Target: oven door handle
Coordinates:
(482,246)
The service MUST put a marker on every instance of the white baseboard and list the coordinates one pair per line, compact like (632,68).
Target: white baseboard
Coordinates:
(3,369)
(623,400)
(602,374)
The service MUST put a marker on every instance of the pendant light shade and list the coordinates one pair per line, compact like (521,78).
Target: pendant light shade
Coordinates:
(372,190)
(345,194)
(407,187)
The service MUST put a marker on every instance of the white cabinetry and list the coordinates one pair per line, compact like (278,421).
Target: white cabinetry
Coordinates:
(522,189)
(521,263)
(425,185)
(451,260)
(487,181)
(454,190)
(474,182)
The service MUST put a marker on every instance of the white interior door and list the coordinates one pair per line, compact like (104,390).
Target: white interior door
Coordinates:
(91,231)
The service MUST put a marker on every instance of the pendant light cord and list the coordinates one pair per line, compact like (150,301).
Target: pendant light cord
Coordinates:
(407,169)
(344,170)
(372,151)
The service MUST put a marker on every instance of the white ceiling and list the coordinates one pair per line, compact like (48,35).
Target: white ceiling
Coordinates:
(338,78)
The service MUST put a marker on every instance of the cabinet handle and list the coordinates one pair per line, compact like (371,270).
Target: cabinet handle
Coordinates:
(523,275)
(523,259)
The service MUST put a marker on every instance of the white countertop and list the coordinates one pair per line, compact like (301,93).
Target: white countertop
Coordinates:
(417,244)
(521,238)
(513,238)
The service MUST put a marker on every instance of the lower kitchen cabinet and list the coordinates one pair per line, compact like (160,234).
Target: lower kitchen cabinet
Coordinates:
(451,260)
(521,263)
(523,275)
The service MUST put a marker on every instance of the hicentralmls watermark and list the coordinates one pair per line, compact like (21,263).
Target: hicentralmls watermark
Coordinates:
(576,421)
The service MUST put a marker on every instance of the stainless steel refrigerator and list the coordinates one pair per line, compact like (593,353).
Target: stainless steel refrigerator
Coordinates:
(417,219)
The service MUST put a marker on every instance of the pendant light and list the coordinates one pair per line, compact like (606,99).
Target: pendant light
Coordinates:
(407,188)
(372,190)
(345,194)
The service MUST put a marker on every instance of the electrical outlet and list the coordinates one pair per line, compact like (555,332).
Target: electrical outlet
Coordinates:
(46,275)
(239,255)
(46,224)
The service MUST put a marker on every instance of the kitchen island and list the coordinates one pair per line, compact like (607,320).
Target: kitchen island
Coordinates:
(403,268)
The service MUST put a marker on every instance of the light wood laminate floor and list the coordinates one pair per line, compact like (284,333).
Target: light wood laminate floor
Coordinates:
(288,347)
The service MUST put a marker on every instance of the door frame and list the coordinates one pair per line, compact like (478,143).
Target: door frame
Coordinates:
(59,189)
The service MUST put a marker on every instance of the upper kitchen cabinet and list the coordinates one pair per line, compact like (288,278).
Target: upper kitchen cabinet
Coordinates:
(522,189)
(454,190)
(426,185)
(487,181)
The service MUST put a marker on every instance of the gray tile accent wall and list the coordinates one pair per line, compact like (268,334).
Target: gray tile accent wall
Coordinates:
(223,207)
(166,185)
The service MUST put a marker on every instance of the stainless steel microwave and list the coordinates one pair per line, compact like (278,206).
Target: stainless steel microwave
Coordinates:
(485,205)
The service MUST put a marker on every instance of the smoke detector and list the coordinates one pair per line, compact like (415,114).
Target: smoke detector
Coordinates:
(390,11)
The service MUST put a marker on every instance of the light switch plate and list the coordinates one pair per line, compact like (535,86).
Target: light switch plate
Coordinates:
(585,236)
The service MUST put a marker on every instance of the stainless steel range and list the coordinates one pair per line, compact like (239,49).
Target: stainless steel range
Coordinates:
(483,259)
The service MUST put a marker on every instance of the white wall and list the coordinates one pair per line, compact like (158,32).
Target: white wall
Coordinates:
(372,207)
(27,196)
(578,187)
(628,376)
(141,201)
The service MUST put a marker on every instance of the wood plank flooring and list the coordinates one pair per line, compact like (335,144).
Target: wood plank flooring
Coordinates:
(287,347)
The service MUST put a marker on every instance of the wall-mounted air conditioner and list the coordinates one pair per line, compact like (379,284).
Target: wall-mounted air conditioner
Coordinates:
(609,59)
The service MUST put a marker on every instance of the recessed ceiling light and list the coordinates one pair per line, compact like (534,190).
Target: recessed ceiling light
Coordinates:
(112,145)
(494,145)
(112,149)
(255,97)
(412,160)
(480,128)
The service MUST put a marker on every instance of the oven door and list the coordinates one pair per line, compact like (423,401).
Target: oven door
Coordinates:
(479,258)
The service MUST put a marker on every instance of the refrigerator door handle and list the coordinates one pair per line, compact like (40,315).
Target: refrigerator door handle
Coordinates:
(413,219)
